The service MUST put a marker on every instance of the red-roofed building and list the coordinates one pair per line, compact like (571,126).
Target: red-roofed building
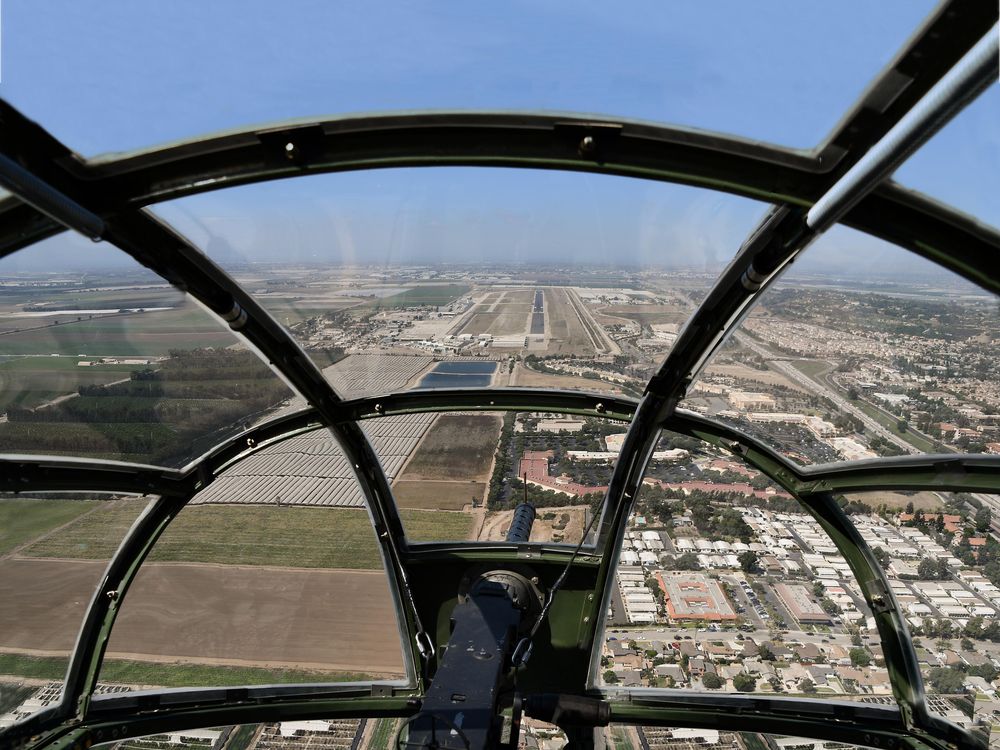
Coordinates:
(534,466)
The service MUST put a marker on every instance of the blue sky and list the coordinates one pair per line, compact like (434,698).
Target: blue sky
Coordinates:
(114,75)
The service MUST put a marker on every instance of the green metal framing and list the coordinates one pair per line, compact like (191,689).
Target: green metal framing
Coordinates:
(422,577)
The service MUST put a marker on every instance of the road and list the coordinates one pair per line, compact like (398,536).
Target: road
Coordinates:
(785,367)
(647,633)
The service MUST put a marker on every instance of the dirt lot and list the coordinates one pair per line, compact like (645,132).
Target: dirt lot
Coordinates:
(220,614)
(565,328)
(458,447)
(504,313)
(920,500)
(572,517)
(767,377)
(480,322)
(438,495)
(529,378)
(648,314)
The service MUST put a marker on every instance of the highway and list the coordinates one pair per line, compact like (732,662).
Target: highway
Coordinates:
(785,367)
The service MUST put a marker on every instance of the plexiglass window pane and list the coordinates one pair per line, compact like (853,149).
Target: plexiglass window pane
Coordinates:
(473,277)
(54,549)
(266,576)
(725,583)
(101,358)
(862,350)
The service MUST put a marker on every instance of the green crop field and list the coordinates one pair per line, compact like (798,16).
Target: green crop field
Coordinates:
(31,381)
(170,675)
(382,735)
(94,536)
(436,295)
(457,447)
(23,519)
(300,537)
(147,334)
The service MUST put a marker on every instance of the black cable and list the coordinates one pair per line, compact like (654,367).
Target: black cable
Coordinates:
(522,652)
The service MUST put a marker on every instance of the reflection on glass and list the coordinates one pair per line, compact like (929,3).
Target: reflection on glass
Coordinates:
(960,165)
(473,277)
(865,350)
(53,552)
(942,557)
(724,583)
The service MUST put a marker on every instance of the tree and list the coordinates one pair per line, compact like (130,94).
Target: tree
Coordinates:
(882,556)
(687,561)
(909,507)
(860,657)
(745,683)
(610,677)
(807,686)
(711,681)
(927,570)
(765,653)
(748,561)
(983,518)
(947,680)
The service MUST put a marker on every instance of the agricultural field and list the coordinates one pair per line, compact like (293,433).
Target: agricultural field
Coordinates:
(162,414)
(457,447)
(213,615)
(437,495)
(131,334)
(31,381)
(270,584)
(24,519)
(435,295)
(290,536)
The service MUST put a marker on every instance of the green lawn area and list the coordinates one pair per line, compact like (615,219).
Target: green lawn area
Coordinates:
(812,367)
(170,675)
(301,537)
(919,442)
(24,519)
(241,737)
(382,735)
(621,739)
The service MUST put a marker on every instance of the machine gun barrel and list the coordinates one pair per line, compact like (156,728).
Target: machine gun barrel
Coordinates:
(520,525)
